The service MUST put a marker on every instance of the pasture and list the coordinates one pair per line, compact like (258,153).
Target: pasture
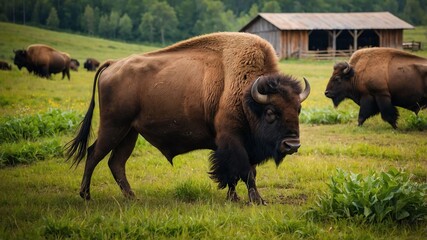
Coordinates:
(39,190)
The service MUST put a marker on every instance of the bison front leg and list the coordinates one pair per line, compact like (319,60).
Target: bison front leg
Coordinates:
(229,163)
(66,72)
(254,196)
(368,108)
(389,112)
(231,193)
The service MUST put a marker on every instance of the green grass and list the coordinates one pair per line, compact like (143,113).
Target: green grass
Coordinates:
(39,199)
(419,34)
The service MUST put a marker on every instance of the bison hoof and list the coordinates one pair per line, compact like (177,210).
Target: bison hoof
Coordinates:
(85,195)
(233,197)
(255,198)
(129,195)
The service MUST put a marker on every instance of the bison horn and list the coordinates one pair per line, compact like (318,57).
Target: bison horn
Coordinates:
(347,68)
(256,95)
(303,96)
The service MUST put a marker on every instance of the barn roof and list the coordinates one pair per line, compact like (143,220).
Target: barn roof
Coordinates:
(332,21)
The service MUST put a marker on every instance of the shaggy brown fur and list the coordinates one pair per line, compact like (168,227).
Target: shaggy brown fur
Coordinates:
(378,79)
(194,95)
(43,60)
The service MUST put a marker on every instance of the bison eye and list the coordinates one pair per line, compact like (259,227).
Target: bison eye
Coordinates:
(270,116)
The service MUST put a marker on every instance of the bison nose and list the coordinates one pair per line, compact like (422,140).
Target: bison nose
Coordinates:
(290,145)
(329,94)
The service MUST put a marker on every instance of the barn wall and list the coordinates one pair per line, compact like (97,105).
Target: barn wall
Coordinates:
(391,38)
(293,43)
(267,31)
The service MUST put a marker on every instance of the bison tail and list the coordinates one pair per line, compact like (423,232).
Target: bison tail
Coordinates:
(78,145)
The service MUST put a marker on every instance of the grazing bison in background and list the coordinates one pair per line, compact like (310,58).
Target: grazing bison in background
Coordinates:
(378,79)
(220,91)
(5,66)
(74,64)
(91,64)
(43,60)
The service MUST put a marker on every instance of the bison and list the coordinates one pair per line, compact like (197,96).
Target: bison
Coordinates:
(91,64)
(378,80)
(74,64)
(219,91)
(43,60)
(5,66)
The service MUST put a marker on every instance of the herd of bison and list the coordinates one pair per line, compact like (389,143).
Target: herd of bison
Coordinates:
(377,79)
(43,60)
(224,92)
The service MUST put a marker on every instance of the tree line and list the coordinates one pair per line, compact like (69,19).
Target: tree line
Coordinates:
(165,21)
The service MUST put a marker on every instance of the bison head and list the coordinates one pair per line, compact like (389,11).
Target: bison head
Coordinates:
(74,64)
(20,59)
(340,84)
(272,107)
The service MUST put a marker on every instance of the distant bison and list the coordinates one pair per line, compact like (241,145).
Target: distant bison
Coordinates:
(91,64)
(219,91)
(43,60)
(5,66)
(378,79)
(74,64)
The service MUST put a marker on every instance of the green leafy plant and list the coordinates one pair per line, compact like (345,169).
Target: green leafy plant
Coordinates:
(374,198)
(416,122)
(325,116)
(40,125)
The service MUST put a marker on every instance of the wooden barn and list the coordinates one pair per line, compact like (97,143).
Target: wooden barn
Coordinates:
(326,35)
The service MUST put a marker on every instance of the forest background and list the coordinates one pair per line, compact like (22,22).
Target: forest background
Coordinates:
(164,22)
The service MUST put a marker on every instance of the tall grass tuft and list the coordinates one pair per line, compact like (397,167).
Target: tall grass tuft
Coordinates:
(32,127)
(12,154)
(191,191)
(326,115)
(375,198)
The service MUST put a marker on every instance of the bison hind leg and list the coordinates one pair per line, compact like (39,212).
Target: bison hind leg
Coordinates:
(117,162)
(109,138)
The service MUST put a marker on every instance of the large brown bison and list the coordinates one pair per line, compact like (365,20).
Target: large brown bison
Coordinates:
(91,64)
(221,91)
(378,80)
(43,60)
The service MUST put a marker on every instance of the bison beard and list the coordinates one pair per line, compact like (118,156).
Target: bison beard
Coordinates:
(260,144)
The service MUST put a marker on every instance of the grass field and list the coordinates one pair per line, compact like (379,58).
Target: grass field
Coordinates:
(40,200)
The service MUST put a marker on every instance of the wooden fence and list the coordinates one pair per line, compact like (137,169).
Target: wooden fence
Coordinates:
(325,54)
(413,46)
